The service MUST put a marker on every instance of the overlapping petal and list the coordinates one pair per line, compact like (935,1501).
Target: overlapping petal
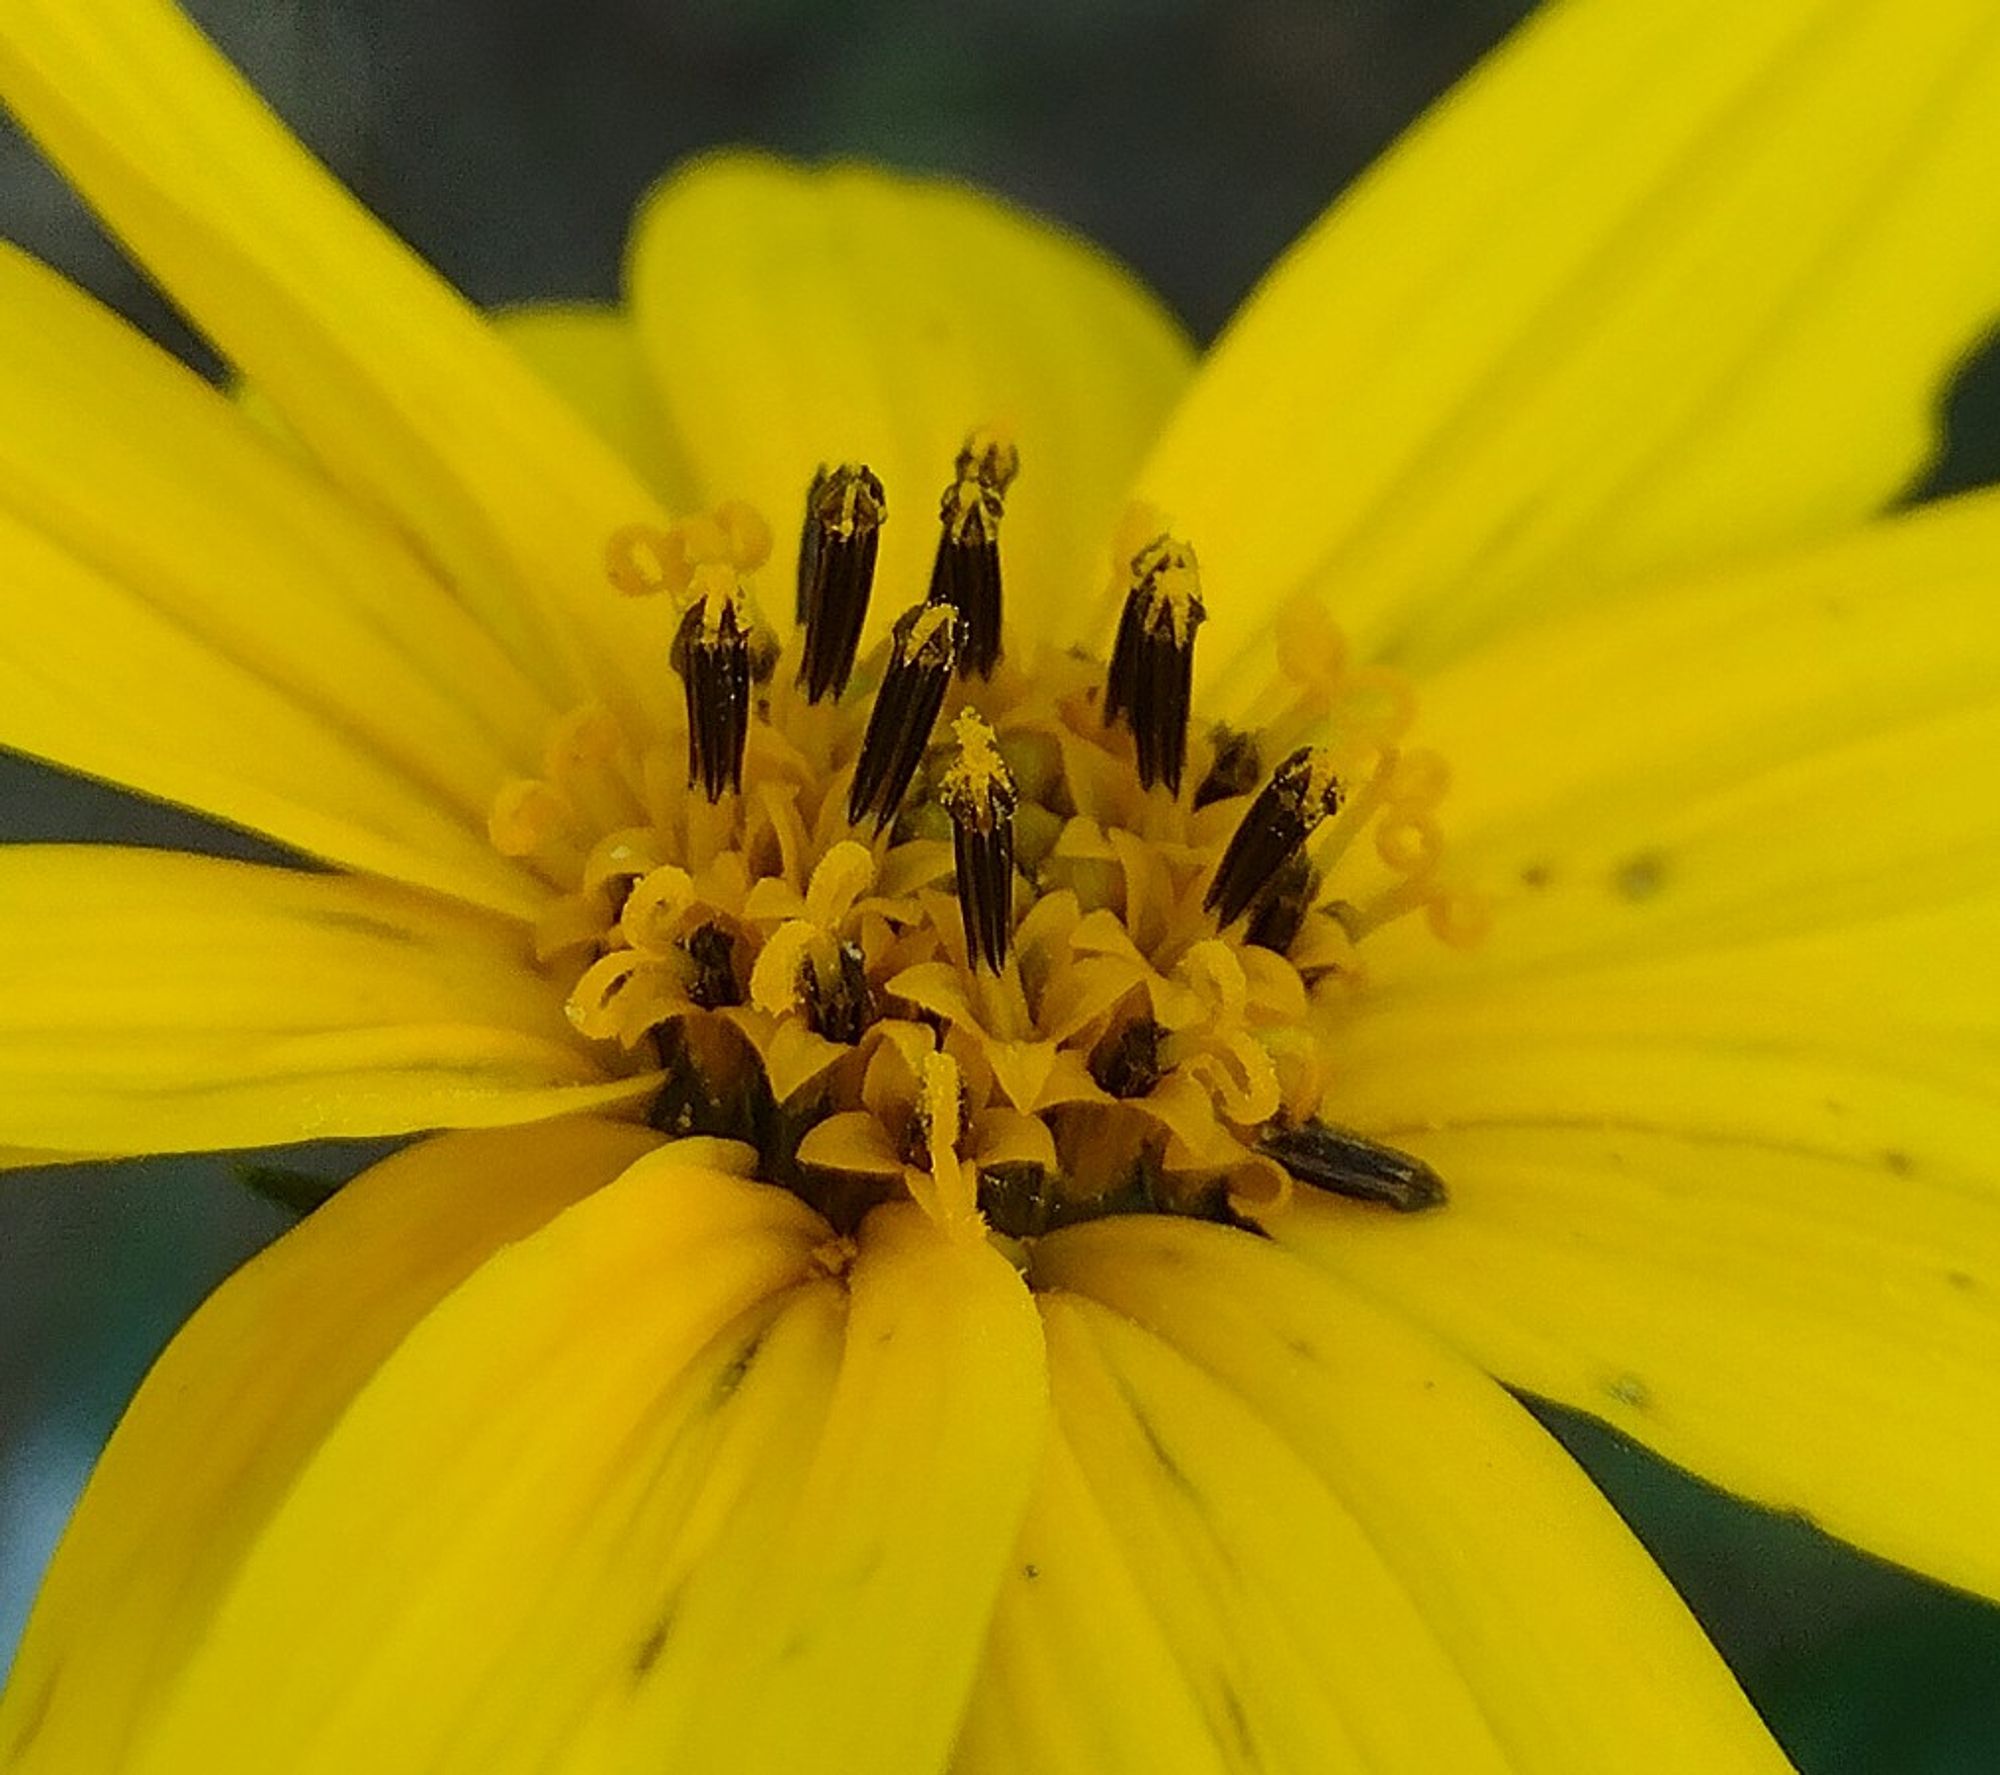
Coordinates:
(390,379)
(795,317)
(1324,1542)
(1655,285)
(588,352)
(1813,1332)
(1779,749)
(193,612)
(155,1002)
(649,1482)
(836,1616)
(1720,1100)
(241,1402)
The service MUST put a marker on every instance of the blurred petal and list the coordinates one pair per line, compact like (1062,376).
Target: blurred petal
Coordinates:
(589,354)
(1361,1551)
(391,379)
(164,1003)
(1656,285)
(240,1403)
(196,614)
(21,1158)
(794,317)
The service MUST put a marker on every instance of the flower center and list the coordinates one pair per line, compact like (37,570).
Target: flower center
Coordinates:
(997,960)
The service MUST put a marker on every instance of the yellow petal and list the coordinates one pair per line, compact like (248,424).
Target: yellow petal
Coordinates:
(1744,881)
(838,1628)
(1656,285)
(1740,1204)
(431,1525)
(95,676)
(1718,1099)
(1360,1552)
(794,317)
(192,612)
(389,378)
(240,1402)
(1796,745)
(163,1003)
(21,1158)
(589,354)
(1080,1676)
(647,1486)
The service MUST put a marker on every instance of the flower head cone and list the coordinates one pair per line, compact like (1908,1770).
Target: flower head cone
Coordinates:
(996,1166)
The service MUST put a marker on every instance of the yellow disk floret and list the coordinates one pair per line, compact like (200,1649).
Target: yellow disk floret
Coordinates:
(1004,976)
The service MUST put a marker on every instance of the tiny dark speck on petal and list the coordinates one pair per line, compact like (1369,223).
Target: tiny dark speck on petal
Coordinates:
(1031,1572)
(1303,1348)
(1898,1161)
(1536,875)
(1629,1389)
(1161,1453)
(361,924)
(1641,875)
(653,1644)
(731,1378)
(1963,1280)
(1239,1722)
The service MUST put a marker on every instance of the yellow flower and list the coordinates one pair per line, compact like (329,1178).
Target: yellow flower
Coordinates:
(995,1436)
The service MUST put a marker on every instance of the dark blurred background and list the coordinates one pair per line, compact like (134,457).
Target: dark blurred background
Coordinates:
(509,144)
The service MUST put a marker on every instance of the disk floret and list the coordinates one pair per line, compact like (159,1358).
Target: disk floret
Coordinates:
(1068,954)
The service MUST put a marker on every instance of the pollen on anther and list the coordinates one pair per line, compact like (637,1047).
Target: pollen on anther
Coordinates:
(845,511)
(978,792)
(1150,681)
(966,571)
(1036,1020)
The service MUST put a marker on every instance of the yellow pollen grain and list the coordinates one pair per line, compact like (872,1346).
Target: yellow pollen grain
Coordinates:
(1168,568)
(930,633)
(856,504)
(990,456)
(978,781)
(971,512)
